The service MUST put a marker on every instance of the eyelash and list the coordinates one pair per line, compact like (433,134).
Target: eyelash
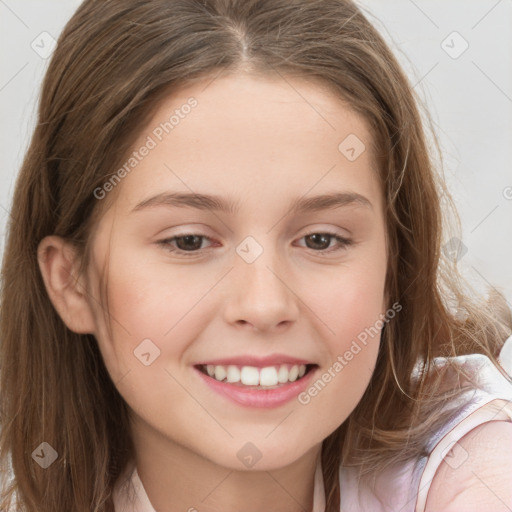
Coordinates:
(344,243)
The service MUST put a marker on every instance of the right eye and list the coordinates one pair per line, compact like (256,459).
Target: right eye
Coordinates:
(187,244)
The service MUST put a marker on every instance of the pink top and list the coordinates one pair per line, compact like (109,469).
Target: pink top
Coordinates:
(403,488)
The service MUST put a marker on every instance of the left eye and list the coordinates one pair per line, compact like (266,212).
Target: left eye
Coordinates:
(190,244)
(320,239)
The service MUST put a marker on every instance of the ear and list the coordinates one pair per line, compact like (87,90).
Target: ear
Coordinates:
(58,263)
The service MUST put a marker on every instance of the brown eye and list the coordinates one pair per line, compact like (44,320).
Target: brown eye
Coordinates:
(188,244)
(320,242)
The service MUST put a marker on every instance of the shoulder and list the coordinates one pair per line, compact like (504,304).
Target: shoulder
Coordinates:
(476,474)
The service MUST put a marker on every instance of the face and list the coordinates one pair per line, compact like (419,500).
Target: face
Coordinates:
(265,277)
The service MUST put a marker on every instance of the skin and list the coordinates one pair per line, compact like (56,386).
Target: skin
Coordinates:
(258,142)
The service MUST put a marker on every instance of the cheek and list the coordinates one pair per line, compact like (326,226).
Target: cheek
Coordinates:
(151,299)
(150,316)
(155,302)
(352,308)
(353,312)
(360,304)
(352,301)
(357,322)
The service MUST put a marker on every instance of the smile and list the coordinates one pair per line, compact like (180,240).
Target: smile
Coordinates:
(261,387)
(264,378)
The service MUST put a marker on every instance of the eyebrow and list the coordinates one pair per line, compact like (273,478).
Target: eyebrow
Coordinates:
(216,203)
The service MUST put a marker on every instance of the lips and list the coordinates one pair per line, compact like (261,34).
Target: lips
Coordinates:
(266,371)
(257,396)
(257,381)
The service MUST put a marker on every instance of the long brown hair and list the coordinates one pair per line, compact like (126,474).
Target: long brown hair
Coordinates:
(114,63)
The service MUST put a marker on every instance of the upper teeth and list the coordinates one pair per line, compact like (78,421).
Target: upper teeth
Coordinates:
(253,376)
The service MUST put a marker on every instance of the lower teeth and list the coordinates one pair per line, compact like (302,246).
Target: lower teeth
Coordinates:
(239,384)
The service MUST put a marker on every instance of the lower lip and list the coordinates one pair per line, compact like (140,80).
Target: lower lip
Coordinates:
(263,398)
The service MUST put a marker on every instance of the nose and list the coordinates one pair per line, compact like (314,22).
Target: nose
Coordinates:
(261,294)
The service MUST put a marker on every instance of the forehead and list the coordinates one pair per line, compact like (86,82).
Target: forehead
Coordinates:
(241,133)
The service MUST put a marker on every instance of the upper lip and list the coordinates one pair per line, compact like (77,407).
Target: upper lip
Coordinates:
(248,360)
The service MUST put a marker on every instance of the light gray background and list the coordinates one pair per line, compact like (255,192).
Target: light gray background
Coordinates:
(469,98)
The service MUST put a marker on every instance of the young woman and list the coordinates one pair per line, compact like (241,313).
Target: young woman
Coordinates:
(222,285)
